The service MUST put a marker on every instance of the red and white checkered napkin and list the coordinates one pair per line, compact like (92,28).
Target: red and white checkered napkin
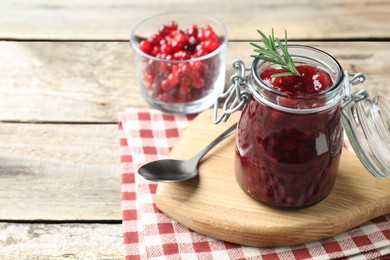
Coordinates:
(147,135)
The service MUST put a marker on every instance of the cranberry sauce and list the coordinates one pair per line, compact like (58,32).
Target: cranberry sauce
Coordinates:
(312,80)
(289,159)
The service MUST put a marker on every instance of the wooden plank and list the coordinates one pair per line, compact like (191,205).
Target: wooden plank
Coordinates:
(105,19)
(92,82)
(59,172)
(73,241)
(41,80)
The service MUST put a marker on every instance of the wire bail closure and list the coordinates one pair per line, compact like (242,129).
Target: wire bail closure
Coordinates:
(354,79)
(236,96)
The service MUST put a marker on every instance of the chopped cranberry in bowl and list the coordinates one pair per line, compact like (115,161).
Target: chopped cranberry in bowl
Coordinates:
(180,60)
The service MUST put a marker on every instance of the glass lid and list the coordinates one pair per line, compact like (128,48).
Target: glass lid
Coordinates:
(367,124)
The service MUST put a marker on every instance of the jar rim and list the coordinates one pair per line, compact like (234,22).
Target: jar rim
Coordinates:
(265,94)
(335,85)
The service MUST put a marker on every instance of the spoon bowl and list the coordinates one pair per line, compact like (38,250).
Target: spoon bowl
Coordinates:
(171,170)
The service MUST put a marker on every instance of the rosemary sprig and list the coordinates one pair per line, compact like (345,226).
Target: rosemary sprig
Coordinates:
(271,54)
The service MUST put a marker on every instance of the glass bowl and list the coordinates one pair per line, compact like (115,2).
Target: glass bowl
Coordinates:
(180,77)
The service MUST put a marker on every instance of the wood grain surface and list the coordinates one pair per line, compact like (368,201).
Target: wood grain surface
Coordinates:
(59,172)
(93,81)
(61,241)
(106,19)
(214,204)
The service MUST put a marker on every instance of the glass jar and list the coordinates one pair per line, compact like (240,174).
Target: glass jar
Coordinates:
(288,148)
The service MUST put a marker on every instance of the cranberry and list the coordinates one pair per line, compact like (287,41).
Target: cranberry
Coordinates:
(200,53)
(176,46)
(166,49)
(200,50)
(210,45)
(148,77)
(173,79)
(172,26)
(192,30)
(170,82)
(198,65)
(166,85)
(155,39)
(146,46)
(184,89)
(164,30)
(156,50)
(285,159)
(193,41)
(181,37)
(198,82)
(182,55)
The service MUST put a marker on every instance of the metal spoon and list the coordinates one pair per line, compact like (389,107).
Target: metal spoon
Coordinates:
(171,170)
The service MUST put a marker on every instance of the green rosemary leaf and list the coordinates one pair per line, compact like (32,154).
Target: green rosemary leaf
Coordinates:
(285,39)
(263,57)
(266,52)
(262,49)
(271,53)
(263,36)
(287,73)
(256,45)
(273,41)
(284,50)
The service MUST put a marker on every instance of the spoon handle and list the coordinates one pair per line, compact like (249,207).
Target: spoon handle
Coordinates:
(222,136)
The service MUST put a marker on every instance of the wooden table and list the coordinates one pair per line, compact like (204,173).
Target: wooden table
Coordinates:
(66,72)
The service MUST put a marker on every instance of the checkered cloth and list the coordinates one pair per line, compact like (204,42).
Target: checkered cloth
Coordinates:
(147,135)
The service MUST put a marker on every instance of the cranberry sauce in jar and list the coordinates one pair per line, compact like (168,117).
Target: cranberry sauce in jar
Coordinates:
(289,137)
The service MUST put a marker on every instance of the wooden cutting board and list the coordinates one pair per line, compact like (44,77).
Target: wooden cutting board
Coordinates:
(213,204)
